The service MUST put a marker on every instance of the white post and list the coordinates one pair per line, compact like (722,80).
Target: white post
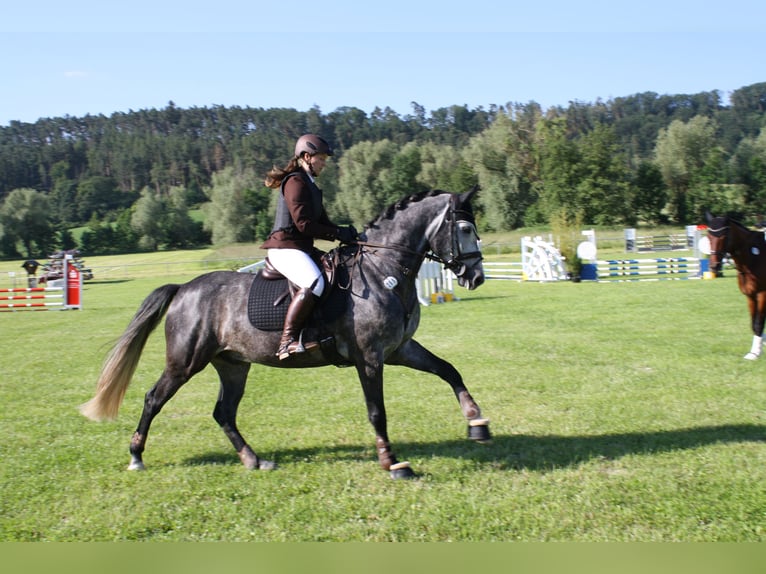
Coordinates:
(630,240)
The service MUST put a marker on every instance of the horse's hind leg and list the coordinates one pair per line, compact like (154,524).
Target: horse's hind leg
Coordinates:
(162,391)
(233,375)
(412,354)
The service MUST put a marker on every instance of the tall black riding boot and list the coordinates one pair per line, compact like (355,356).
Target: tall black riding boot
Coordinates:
(292,336)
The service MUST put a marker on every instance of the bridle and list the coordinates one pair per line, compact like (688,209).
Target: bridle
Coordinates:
(454,261)
(719,232)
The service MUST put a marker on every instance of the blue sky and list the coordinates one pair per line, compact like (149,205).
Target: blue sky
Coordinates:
(86,57)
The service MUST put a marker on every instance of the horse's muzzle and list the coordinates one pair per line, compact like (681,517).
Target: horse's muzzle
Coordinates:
(471,278)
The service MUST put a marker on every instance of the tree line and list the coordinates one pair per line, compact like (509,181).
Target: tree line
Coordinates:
(178,178)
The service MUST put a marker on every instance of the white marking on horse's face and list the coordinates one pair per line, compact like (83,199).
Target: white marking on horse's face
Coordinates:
(435,224)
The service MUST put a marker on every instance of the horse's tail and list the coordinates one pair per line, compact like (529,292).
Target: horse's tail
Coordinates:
(122,360)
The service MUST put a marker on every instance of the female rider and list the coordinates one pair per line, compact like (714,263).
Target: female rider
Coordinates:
(301,218)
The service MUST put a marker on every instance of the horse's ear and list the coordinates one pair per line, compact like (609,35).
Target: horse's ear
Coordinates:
(708,217)
(468,195)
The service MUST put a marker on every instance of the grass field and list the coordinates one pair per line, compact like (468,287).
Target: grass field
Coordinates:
(621,412)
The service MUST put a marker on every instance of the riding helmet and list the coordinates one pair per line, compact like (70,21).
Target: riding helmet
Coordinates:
(312,144)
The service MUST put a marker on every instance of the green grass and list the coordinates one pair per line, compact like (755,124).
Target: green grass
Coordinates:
(621,412)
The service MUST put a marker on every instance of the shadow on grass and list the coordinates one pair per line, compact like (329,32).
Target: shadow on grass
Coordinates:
(477,299)
(530,452)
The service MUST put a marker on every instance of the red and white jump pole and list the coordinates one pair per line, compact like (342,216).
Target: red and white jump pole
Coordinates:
(67,296)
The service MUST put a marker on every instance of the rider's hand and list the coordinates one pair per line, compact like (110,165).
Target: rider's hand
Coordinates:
(347,234)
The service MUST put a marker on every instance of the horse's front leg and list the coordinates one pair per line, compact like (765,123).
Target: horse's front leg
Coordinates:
(757,306)
(371,376)
(412,354)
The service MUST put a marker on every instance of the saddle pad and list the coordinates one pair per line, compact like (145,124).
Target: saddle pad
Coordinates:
(261,311)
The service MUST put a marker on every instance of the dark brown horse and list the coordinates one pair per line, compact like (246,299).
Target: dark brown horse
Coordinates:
(748,250)
(376,313)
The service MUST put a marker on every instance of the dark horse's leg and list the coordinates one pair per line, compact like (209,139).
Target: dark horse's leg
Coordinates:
(412,354)
(757,306)
(184,358)
(233,375)
(415,356)
(371,376)
(162,391)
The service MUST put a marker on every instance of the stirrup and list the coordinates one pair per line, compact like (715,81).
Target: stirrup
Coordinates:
(294,347)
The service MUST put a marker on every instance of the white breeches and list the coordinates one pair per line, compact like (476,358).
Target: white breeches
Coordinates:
(299,268)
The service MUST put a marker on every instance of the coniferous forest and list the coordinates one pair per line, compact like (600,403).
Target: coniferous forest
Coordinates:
(179,178)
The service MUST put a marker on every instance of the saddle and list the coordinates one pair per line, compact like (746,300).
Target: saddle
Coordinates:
(271,293)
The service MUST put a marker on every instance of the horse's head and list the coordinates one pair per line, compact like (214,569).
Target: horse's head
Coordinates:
(456,244)
(718,234)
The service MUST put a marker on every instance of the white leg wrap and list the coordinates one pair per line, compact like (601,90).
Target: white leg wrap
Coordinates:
(136,464)
(755,350)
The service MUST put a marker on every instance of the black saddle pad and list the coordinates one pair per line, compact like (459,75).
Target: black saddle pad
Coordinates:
(267,303)
(269,299)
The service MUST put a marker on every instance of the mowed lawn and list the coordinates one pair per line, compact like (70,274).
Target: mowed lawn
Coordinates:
(620,412)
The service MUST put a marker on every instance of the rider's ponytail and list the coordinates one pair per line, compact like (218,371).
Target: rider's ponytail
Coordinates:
(276,175)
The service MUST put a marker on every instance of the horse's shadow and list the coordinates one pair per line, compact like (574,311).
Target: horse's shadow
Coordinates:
(481,298)
(107,281)
(527,452)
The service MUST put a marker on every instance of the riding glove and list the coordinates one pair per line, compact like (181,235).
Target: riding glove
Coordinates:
(347,234)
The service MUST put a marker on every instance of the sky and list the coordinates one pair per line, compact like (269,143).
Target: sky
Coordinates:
(85,57)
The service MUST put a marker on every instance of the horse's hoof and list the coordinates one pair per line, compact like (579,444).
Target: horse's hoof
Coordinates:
(266,464)
(401,470)
(478,430)
(136,465)
(751,356)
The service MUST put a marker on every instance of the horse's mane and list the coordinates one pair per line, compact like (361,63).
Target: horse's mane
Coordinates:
(741,225)
(723,221)
(403,203)
(752,235)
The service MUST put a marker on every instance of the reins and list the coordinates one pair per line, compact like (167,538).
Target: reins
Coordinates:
(455,261)
(401,249)
(407,271)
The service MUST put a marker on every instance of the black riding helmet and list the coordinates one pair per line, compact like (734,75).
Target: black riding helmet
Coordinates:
(312,144)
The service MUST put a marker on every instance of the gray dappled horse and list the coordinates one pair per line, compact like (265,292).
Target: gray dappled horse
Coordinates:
(369,317)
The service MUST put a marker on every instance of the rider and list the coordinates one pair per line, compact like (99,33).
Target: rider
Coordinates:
(301,218)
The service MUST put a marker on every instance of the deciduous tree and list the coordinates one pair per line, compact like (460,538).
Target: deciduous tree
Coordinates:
(25,218)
